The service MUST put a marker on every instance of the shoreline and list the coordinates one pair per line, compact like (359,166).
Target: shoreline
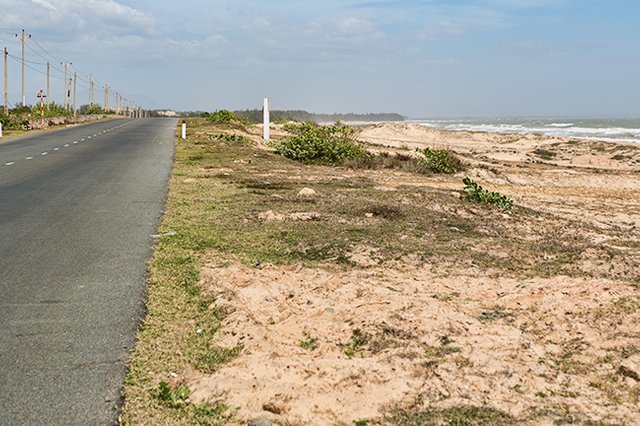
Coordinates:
(511,147)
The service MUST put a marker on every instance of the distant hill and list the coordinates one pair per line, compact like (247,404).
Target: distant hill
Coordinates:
(255,115)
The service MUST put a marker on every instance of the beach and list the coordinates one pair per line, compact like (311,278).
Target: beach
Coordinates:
(384,295)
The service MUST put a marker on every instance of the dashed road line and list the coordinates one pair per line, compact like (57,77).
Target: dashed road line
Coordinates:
(66,145)
(9,164)
(29,158)
(56,149)
(44,153)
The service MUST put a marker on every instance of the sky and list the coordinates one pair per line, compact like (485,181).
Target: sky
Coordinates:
(419,58)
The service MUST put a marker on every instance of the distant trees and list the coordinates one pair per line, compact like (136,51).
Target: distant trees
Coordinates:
(255,116)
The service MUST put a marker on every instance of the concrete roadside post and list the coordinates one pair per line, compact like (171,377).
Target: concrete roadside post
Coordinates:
(265,119)
(0,130)
(184,129)
(41,95)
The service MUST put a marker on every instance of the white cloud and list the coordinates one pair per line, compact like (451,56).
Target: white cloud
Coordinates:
(61,17)
(355,26)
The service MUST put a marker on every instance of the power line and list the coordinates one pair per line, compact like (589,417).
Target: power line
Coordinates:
(44,50)
(27,60)
(51,61)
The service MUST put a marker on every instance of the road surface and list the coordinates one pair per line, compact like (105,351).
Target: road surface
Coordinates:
(78,208)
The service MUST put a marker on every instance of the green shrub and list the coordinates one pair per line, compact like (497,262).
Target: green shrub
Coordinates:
(311,143)
(441,161)
(8,123)
(221,116)
(478,194)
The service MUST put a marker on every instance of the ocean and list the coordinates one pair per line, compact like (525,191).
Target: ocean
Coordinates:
(613,130)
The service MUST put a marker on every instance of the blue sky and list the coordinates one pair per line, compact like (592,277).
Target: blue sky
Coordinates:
(421,58)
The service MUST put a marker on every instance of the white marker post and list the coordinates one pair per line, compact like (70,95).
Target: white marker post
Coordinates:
(0,130)
(184,129)
(265,119)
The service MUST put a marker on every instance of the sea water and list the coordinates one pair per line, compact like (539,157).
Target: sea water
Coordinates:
(592,128)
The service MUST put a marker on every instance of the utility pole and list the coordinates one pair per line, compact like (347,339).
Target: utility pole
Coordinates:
(69,94)
(75,110)
(90,91)
(106,97)
(6,82)
(66,87)
(24,99)
(48,83)
(117,103)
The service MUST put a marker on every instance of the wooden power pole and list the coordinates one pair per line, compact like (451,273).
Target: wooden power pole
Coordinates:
(6,82)
(24,99)
(48,83)
(75,109)
(90,91)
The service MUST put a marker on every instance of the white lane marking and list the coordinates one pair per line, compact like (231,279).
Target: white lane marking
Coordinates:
(75,141)
(82,140)
(9,164)
(56,149)
(66,145)
(29,158)
(95,136)
(44,153)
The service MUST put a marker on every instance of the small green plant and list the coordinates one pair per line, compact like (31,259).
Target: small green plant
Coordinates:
(309,342)
(313,144)
(174,397)
(355,344)
(478,194)
(441,161)
(221,116)
(444,349)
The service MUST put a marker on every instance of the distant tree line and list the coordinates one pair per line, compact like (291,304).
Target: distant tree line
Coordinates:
(255,115)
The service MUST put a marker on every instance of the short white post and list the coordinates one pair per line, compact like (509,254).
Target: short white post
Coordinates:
(0,130)
(184,129)
(265,119)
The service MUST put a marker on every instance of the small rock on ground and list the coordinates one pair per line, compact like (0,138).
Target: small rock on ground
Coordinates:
(307,192)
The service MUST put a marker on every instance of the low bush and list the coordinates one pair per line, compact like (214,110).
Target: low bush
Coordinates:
(220,116)
(478,194)
(441,161)
(313,144)
(8,123)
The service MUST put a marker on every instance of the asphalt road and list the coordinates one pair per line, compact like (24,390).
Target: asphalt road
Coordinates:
(78,210)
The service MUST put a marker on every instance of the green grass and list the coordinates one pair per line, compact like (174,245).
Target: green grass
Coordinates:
(461,415)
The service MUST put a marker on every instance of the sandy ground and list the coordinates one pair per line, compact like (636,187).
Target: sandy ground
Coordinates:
(329,346)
